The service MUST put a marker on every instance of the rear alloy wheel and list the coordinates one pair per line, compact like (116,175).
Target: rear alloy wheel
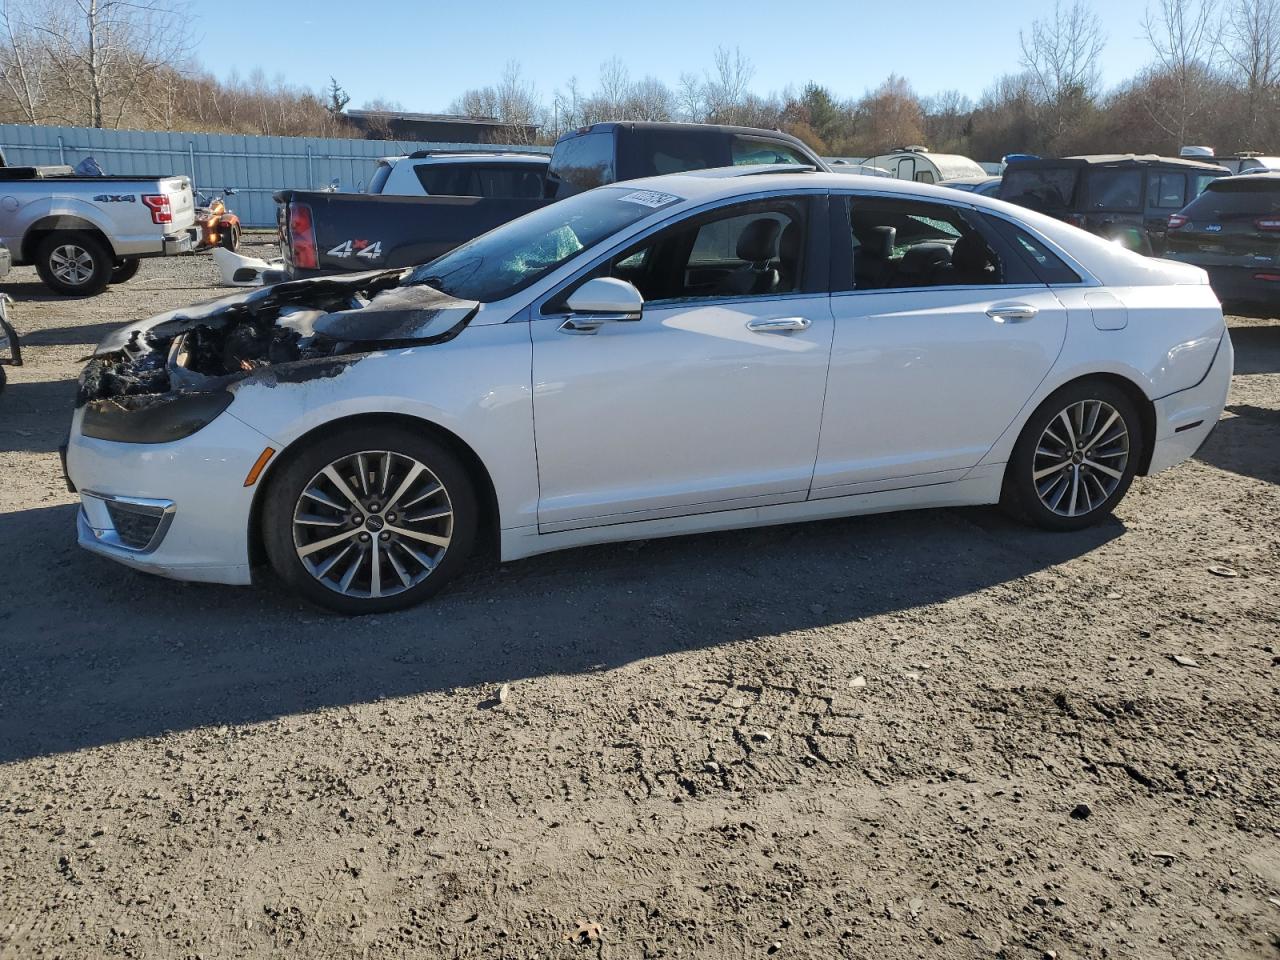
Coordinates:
(361,527)
(74,264)
(1076,457)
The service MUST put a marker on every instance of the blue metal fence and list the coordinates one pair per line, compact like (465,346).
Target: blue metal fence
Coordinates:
(255,167)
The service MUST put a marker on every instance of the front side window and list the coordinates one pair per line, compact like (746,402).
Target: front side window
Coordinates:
(1166,191)
(746,250)
(504,261)
(748,151)
(903,244)
(1113,190)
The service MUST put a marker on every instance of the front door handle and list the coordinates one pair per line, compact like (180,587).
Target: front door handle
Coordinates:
(1012,312)
(778,324)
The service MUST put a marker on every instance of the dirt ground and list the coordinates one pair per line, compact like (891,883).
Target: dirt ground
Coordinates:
(930,734)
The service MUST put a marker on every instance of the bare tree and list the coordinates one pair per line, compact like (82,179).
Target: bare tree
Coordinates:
(104,51)
(1249,42)
(725,91)
(1060,55)
(25,64)
(691,98)
(613,90)
(1182,37)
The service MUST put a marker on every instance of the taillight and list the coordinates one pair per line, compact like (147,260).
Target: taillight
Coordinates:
(1075,219)
(302,237)
(1267,223)
(1269,277)
(160,205)
(1177,220)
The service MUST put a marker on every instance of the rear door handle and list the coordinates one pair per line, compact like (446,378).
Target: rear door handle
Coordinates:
(1011,312)
(778,324)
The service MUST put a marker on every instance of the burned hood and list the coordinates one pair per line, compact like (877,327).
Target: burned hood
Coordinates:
(356,307)
(286,333)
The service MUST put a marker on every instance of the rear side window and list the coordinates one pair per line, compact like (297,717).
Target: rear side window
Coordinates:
(752,150)
(1236,198)
(1166,191)
(900,244)
(652,153)
(1113,190)
(480,180)
(583,162)
(1047,265)
(1040,189)
(379,178)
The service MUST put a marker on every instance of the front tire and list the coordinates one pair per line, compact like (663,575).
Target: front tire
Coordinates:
(370,520)
(1075,458)
(74,264)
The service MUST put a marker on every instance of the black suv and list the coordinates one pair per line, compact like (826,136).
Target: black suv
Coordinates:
(1232,230)
(625,150)
(1125,198)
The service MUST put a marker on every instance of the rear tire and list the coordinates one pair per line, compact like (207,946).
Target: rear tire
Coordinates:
(74,264)
(230,238)
(352,545)
(125,270)
(1075,458)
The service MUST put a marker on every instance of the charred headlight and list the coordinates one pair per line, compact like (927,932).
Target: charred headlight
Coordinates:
(152,419)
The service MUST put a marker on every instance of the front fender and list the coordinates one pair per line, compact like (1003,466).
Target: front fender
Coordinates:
(476,386)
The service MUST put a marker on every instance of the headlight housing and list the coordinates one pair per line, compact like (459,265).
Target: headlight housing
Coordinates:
(152,419)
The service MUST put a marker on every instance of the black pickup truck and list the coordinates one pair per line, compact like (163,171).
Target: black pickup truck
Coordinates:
(331,232)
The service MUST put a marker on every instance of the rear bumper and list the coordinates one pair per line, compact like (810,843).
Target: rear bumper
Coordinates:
(1239,285)
(176,243)
(1185,419)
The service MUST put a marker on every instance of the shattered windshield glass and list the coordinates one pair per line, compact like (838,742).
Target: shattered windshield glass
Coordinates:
(506,260)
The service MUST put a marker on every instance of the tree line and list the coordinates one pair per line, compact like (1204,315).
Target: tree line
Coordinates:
(1212,76)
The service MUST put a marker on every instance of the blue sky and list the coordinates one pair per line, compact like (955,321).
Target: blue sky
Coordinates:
(424,54)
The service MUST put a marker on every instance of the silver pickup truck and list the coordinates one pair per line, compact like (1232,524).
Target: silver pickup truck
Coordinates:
(82,233)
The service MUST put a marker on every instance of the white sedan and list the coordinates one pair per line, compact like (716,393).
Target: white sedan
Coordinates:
(696,352)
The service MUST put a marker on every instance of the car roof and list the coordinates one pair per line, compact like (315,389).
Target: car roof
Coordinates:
(445,156)
(970,181)
(1115,160)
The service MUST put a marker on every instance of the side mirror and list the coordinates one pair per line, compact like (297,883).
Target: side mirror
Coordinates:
(599,301)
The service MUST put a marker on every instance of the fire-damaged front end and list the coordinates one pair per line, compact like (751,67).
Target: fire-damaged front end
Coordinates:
(156,422)
(165,378)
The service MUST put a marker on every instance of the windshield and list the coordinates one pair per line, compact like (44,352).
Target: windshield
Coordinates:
(504,261)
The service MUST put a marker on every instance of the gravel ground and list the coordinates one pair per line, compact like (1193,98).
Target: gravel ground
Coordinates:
(931,734)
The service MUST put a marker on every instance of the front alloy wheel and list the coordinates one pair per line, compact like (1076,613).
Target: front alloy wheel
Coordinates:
(373,524)
(370,519)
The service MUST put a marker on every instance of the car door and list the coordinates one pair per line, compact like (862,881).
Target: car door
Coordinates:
(942,334)
(713,398)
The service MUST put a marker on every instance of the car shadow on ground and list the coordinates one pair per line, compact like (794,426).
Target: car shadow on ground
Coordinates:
(1244,442)
(88,334)
(36,415)
(1257,349)
(95,653)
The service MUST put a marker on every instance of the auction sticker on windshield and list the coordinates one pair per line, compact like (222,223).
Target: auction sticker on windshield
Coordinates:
(651,198)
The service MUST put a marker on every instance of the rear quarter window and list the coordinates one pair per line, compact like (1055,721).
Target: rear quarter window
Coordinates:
(379,178)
